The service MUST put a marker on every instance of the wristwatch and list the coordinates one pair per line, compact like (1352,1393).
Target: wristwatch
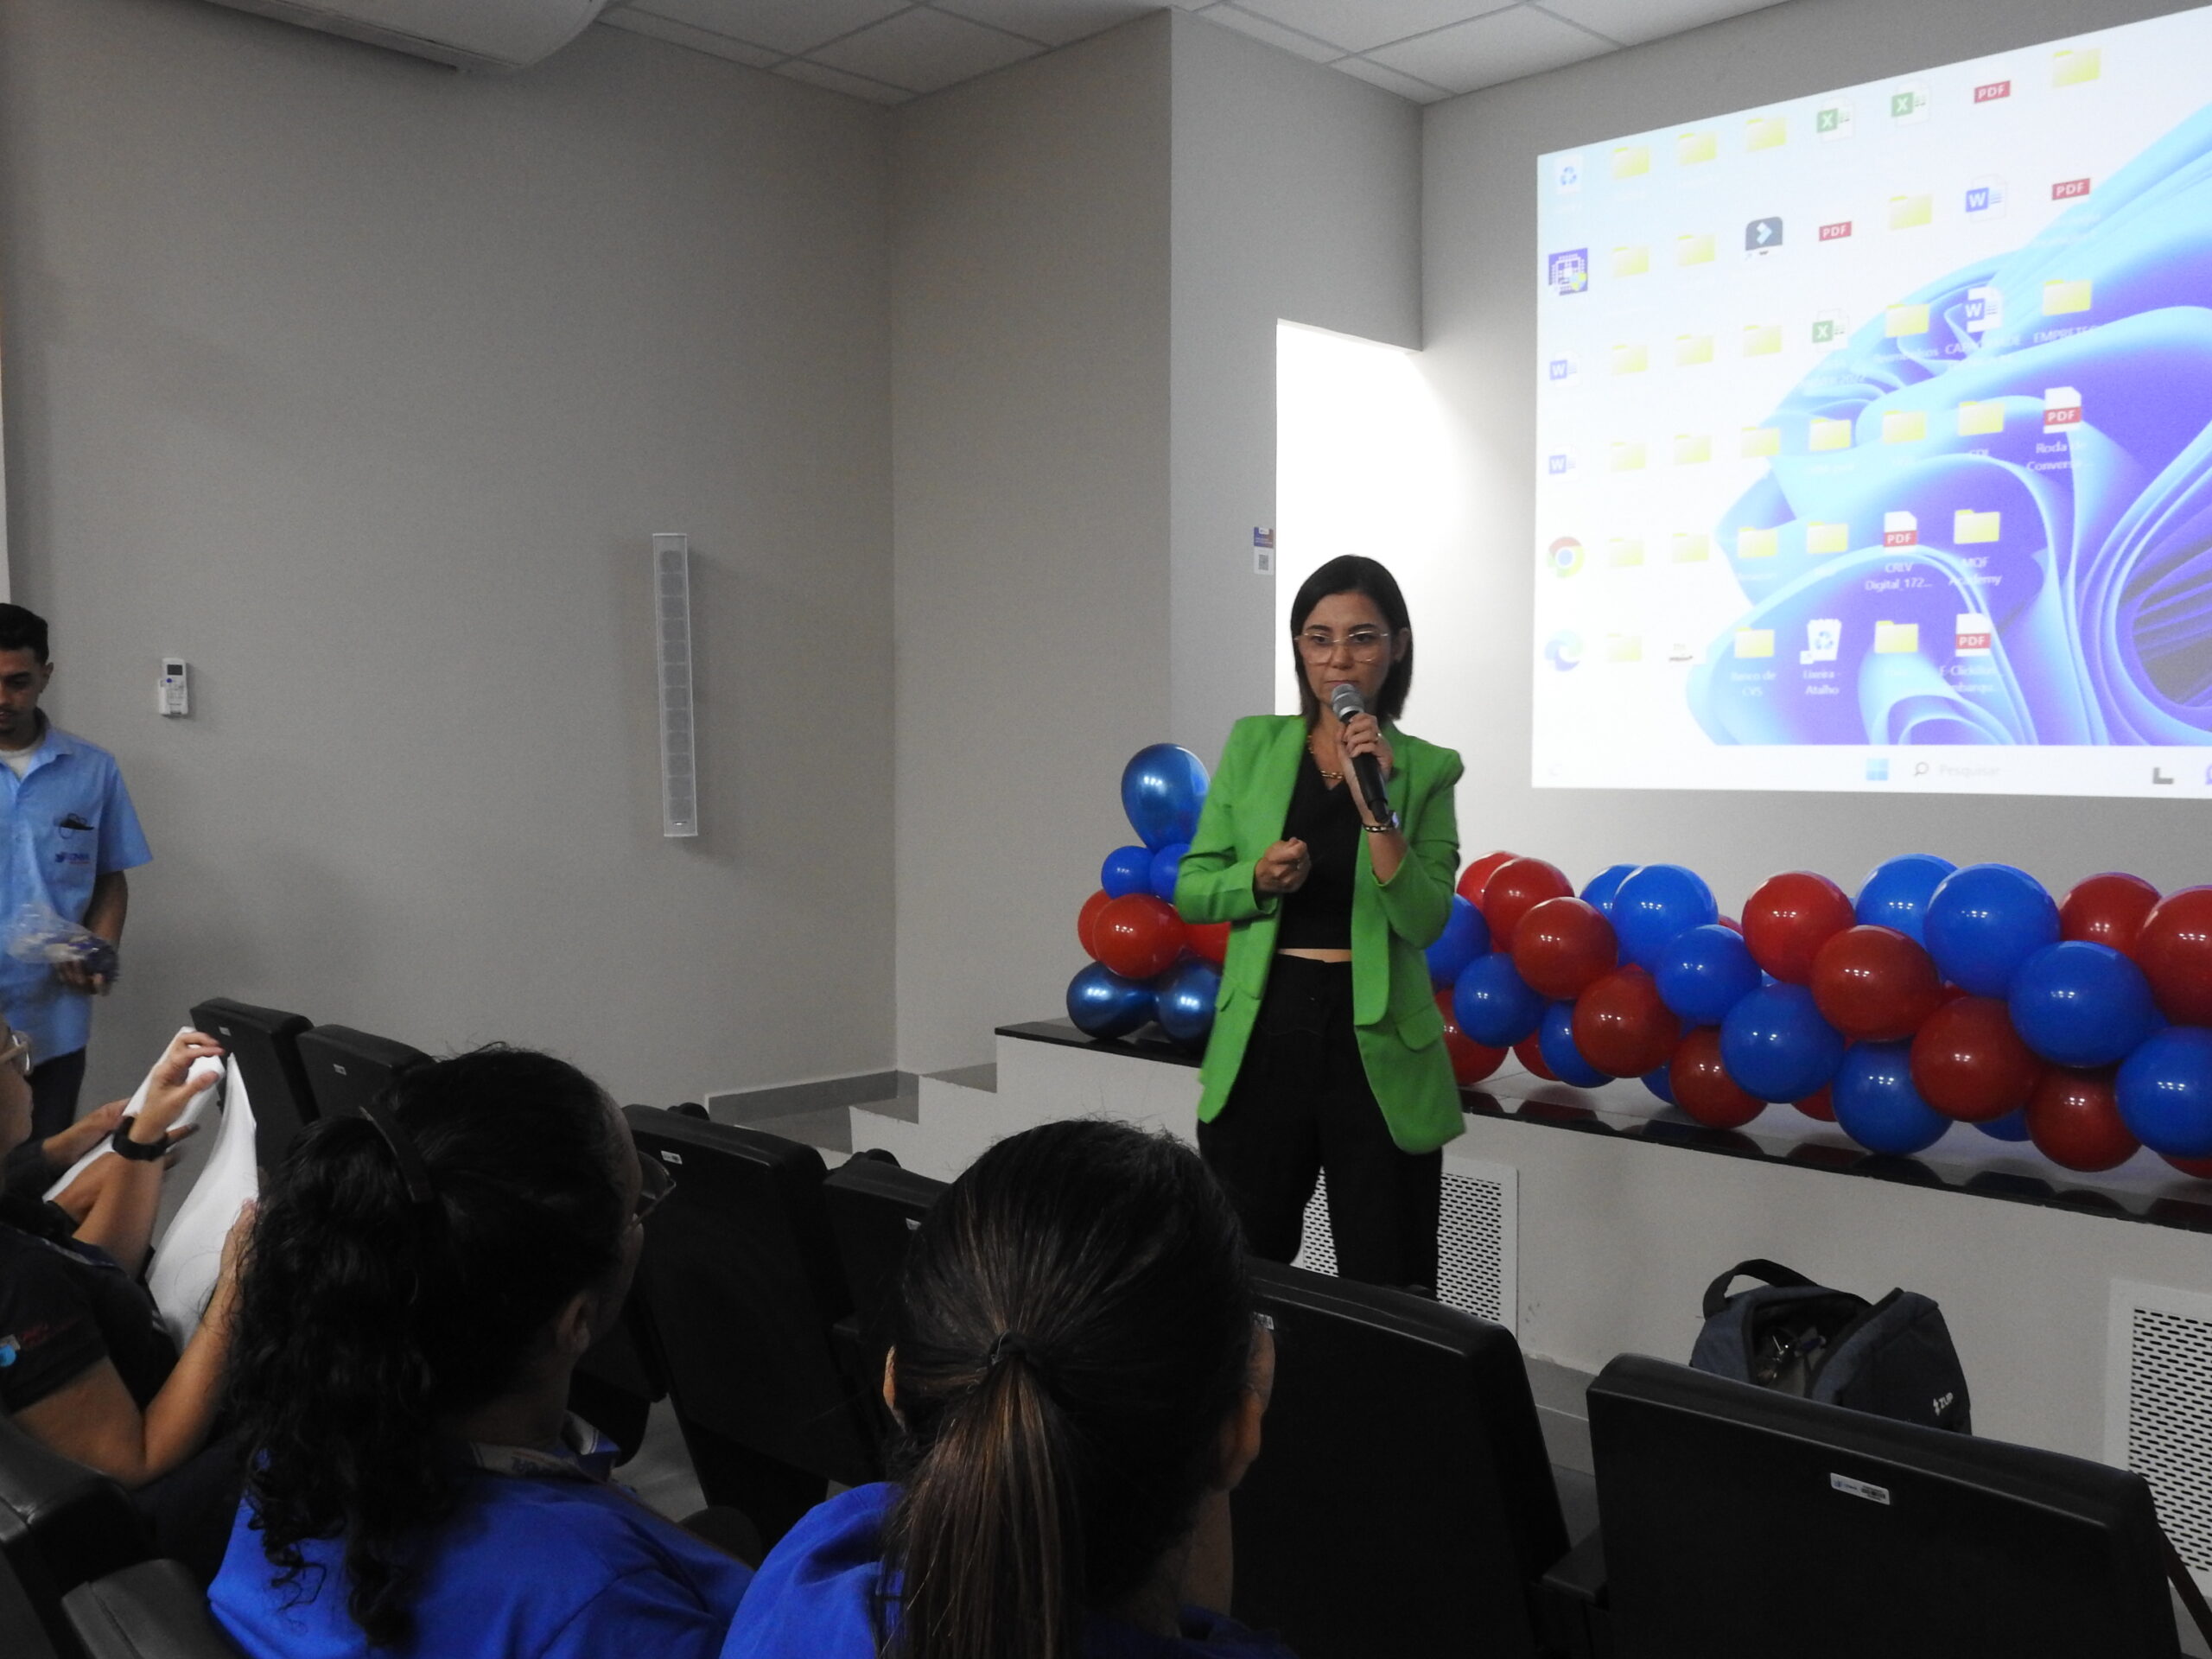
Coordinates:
(143,1152)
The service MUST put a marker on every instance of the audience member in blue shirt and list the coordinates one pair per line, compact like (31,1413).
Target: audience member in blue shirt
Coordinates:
(421,1284)
(1080,1379)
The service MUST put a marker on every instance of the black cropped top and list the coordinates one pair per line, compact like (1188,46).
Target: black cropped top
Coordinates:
(1318,917)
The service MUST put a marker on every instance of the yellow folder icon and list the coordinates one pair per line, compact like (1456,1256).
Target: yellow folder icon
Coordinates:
(1896,638)
(1824,540)
(1905,212)
(1624,647)
(1691,350)
(1899,320)
(1691,548)
(1631,161)
(1692,447)
(1631,360)
(1623,551)
(1969,526)
(1691,148)
(1693,249)
(1762,440)
(1978,420)
(1765,132)
(1754,642)
(1828,435)
(2076,65)
(1904,426)
(1631,261)
(1756,544)
(2061,297)
(1624,456)
(1761,339)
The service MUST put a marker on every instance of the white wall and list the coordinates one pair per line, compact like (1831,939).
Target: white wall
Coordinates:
(361,385)
(1480,265)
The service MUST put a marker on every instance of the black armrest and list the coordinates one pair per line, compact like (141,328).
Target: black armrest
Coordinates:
(1571,1615)
(152,1611)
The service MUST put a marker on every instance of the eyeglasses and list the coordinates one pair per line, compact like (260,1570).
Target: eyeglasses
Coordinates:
(1365,644)
(16,1052)
(654,1184)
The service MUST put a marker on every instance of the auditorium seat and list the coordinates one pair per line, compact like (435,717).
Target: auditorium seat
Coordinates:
(152,1611)
(60,1524)
(346,1067)
(740,1279)
(874,1207)
(1403,1502)
(22,1636)
(265,1043)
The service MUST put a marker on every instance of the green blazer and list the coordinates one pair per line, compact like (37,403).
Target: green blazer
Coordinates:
(1394,1009)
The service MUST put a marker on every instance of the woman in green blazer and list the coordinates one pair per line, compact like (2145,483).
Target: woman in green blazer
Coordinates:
(1327,1052)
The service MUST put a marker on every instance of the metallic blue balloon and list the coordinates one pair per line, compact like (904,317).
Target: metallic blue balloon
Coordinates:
(1103,1004)
(2081,1004)
(1876,1103)
(1706,972)
(1896,893)
(1493,1004)
(1162,789)
(1599,895)
(1555,1037)
(2013,1125)
(1127,870)
(1983,922)
(1776,1046)
(1660,1083)
(1166,864)
(2165,1091)
(1184,998)
(1465,936)
(1655,906)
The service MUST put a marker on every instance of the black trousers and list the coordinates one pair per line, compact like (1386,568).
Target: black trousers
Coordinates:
(1300,1107)
(55,1084)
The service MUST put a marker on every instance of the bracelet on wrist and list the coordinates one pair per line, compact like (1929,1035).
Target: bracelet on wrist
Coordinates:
(143,1151)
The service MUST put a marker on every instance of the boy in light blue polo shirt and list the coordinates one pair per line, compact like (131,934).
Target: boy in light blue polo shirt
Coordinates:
(67,833)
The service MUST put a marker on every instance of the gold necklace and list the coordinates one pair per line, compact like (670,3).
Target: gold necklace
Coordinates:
(1311,754)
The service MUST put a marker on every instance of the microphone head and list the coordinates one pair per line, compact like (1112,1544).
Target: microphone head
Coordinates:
(1346,701)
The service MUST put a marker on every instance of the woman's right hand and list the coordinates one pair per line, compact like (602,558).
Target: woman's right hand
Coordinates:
(169,1085)
(1282,869)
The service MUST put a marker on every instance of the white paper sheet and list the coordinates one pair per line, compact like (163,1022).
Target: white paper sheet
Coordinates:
(190,1255)
(206,1071)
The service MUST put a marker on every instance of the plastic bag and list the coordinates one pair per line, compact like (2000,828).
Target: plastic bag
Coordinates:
(38,932)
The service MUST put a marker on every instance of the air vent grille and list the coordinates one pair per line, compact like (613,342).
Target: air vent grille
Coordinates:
(2159,1409)
(679,760)
(1476,1268)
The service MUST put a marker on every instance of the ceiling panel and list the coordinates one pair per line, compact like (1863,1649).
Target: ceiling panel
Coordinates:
(1371,22)
(1265,28)
(836,81)
(1634,22)
(786,26)
(1391,81)
(922,49)
(1504,46)
(1054,22)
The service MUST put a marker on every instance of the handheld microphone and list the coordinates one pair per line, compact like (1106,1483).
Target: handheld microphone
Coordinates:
(1346,701)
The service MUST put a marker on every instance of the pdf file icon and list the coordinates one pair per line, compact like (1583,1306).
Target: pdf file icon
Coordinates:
(1900,529)
(2062,406)
(1975,635)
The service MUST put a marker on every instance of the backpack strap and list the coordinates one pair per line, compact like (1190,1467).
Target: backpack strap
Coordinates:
(2185,1583)
(1716,1293)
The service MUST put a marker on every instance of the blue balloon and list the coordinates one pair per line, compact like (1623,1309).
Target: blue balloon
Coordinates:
(1656,906)
(1896,895)
(1127,870)
(2081,1004)
(1983,922)
(1599,895)
(2165,1091)
(1660,1083)
(1162,789)
(1706,972)
(1876,1103)
(2013,1125)
(1555,1037)
(1183,1000)
(1776,1045)
(1166,865)
(1493,1004)
(1465,936)
(1103,1004)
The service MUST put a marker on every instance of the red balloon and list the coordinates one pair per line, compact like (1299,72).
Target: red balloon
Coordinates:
(1621,1026)
(1209,939)
(1732,926)
(1789,920)
(1514,888)
(1821,1106)
(1563,947)
(1086,919)
(2174,949)
(1477,875)
(2200,1167)
(1138,935)
(1969,1064)
(2107,909)
(1470,1061)
(1531,1056)
(1874,985)
(1703,1088)
(2074,1119)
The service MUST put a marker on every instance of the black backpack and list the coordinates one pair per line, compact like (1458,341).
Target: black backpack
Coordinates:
(1892,1357)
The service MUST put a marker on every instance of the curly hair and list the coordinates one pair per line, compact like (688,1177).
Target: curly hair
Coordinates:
(365,1320)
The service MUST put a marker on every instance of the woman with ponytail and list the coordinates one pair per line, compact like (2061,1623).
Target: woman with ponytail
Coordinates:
(421,1282)
(1080,1379)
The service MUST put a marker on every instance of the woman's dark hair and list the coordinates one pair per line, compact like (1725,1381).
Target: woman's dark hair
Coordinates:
(1073,1328)
(1350,574)
(365,1318)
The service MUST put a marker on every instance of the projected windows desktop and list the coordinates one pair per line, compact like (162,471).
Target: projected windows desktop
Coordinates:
(1875,435)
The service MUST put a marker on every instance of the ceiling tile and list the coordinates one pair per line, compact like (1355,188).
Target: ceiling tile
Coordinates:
(1634,22)
(1390,80)
(1054,22)
(1260,29)
(1504,46)
(699,40)
(924,50)
(821,74)
(1356,25)
(784,25)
